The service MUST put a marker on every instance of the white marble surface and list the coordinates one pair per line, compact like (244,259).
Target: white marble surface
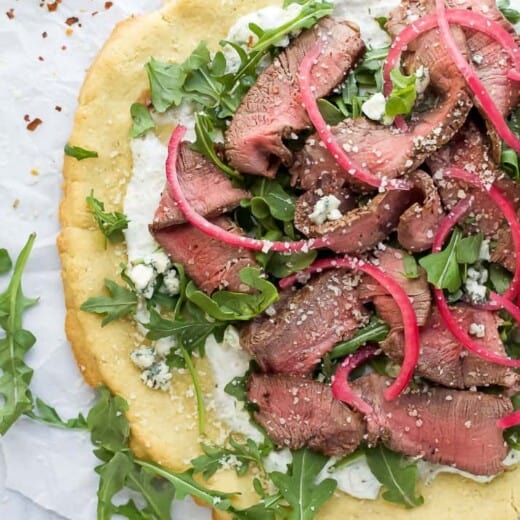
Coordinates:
(46,473)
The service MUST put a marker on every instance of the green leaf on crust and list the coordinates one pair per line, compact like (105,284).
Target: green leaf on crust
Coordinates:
(79,153)
(141,120)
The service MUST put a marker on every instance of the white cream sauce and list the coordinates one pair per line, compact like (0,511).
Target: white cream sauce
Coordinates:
(227,359)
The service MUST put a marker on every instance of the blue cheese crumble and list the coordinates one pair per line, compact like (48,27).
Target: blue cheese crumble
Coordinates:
(326,208)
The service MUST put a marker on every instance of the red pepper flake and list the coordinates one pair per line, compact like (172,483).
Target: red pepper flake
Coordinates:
(26,117)
(53,7)
(44,34)
(63,47)
(34,124)
(10,14)
(41,58)
(69,31)
(57,108)
(95,13)
(72,20)
(108,5)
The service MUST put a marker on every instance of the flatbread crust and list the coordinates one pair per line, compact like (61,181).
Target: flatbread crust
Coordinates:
(164,425)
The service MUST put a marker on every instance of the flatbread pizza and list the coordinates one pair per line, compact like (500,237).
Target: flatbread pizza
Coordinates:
(164,414)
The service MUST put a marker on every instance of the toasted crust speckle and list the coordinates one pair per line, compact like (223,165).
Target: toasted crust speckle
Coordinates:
(164,425)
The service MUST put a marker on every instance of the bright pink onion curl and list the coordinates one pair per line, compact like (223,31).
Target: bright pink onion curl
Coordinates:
(479,91)
(341,388)
(328,138)
(411,329)
(217,232)
(513,419)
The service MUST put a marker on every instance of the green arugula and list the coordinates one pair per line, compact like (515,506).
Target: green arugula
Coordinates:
(442,268)
(396,473)
(111,224)
(298,486)
(411,270)
(270,199)
(512,435)
(230,306)
(118,304)
(207,135)
(509,159)
(375,331)
(79,153)
(468,249)
(281,265)
(239,455)
(500,278)
(403,95)
(48,415)
(15,342)
(511,15)
(6,263)
(142,120)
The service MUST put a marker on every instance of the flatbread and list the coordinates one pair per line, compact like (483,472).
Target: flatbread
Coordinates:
(164,426)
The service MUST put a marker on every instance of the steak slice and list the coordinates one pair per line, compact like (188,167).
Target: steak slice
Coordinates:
(306,325)
(391,261)
(383,150)
(210,263)
(444,360)
(298,412)
(196,175)
(272,109)
(420,222)
(441,425)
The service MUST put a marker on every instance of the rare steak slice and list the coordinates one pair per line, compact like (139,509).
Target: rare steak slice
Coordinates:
(298,412)
(444,360)
(384,150)
(441,425)
(306,324)
(272,109)
(391,262)
(206,187)
(210,263)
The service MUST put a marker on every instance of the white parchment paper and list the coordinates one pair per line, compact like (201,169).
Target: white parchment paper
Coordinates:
(46,473)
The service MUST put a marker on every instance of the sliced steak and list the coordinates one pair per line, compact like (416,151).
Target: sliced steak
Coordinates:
(444,360)
(420,222)
(307,324)
(272,109)
(210,263)
(196,175)
(441,425)
(391,262)
(299,412)
(383,150)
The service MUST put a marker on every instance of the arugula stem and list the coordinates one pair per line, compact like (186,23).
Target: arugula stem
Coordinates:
(201,409)
(374,331)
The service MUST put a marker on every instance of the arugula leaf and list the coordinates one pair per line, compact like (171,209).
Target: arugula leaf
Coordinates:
(141,120)
(281,265)
(111,224)
(299,486)
(15,343)
(512,435)
(269,198)
(442,268)
(239,455)
(375,331)
(79,153)
(120,303)
(509,159)
(330,112)
(5,261)
(191,333)
(230,306)
(48,415)
(403,95)
(166,81)
(206,136)
(468,249)
(512,15)
(500,278)
(396,473)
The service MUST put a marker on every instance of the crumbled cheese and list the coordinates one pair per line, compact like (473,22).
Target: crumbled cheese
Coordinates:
(326,208)
(158,376)
(143,357)
(478,330)
(374,107)
(143,276)
(484,253)
(474,284)
(477,58)
(163,346)
(172,282)
(422,79)
(159,261)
